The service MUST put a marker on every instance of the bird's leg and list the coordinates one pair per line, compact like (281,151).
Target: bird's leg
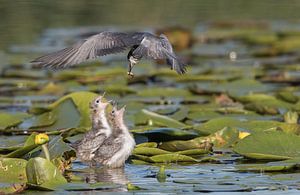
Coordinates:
(132,61)
(130,67)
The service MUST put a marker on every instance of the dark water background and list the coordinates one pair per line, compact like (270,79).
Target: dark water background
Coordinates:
(22,21)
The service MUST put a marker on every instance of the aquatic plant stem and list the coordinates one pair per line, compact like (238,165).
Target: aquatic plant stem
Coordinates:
(46,151)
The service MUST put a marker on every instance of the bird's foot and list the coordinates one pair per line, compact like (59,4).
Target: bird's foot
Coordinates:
(130,74)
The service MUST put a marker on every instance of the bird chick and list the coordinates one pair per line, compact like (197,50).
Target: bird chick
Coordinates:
(100,131)
(116,149)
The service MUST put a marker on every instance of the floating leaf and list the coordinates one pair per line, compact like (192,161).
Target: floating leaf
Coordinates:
(274,145)
(168,158)
(178,145)
(81,100)
(149,151)
(154,118)
(163,92)
(56,118)
(29,146)
(167,134)
(43,173)
(265,104)
(192,152)
(147,144)
(57,147)
(10,143)
(11,120)
(12,170)
(285,165)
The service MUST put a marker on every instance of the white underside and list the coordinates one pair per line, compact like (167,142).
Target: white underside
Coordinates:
(119,158)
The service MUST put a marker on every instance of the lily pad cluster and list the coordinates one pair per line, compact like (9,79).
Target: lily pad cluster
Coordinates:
(239,103)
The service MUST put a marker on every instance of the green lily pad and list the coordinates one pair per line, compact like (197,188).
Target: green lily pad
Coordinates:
(81,100)
(56,118)
(43,173)
(149,151)
(279,166)
(28,147)
(168,158)
(8,120)
(57,148)
(163,92)
(216,124)
(147,144)
(142,158)
(236,88)
(10,143)
(274,145)
(12,170)
(265,104)
(180,145)
(152,118)
(34,74)
(167,134)
(193,152)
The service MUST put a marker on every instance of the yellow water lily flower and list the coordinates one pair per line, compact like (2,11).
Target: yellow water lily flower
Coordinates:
(243,134)
(41,138)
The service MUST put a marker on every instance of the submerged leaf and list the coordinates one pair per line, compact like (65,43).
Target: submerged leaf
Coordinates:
(12,188)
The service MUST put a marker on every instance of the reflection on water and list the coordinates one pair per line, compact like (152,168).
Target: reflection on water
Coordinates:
(22,21)
(106,175)
(116,176)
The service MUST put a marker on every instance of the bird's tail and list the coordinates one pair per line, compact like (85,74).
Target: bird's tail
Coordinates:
(177,65)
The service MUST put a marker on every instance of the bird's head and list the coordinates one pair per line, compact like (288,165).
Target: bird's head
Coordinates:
(118,115)
(99,103)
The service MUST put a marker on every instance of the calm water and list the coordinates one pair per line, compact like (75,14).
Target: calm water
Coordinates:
(22,21)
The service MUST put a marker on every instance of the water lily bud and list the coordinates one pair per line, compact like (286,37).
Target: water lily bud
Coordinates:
(291,117)
(41,138)
(161,175)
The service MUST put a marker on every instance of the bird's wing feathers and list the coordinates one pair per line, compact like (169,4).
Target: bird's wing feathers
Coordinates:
(91,142)
(98,45)
(159,48)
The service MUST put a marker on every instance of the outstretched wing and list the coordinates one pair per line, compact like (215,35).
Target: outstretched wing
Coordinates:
(98,45)
(159,48)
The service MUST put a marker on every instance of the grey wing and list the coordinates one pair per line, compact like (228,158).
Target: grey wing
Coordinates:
(175,63)
(159,48)
(98,45)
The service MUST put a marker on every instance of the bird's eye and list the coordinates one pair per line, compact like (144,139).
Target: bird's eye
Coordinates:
(97,101)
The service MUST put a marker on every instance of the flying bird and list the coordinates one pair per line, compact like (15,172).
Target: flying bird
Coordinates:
(141,45)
